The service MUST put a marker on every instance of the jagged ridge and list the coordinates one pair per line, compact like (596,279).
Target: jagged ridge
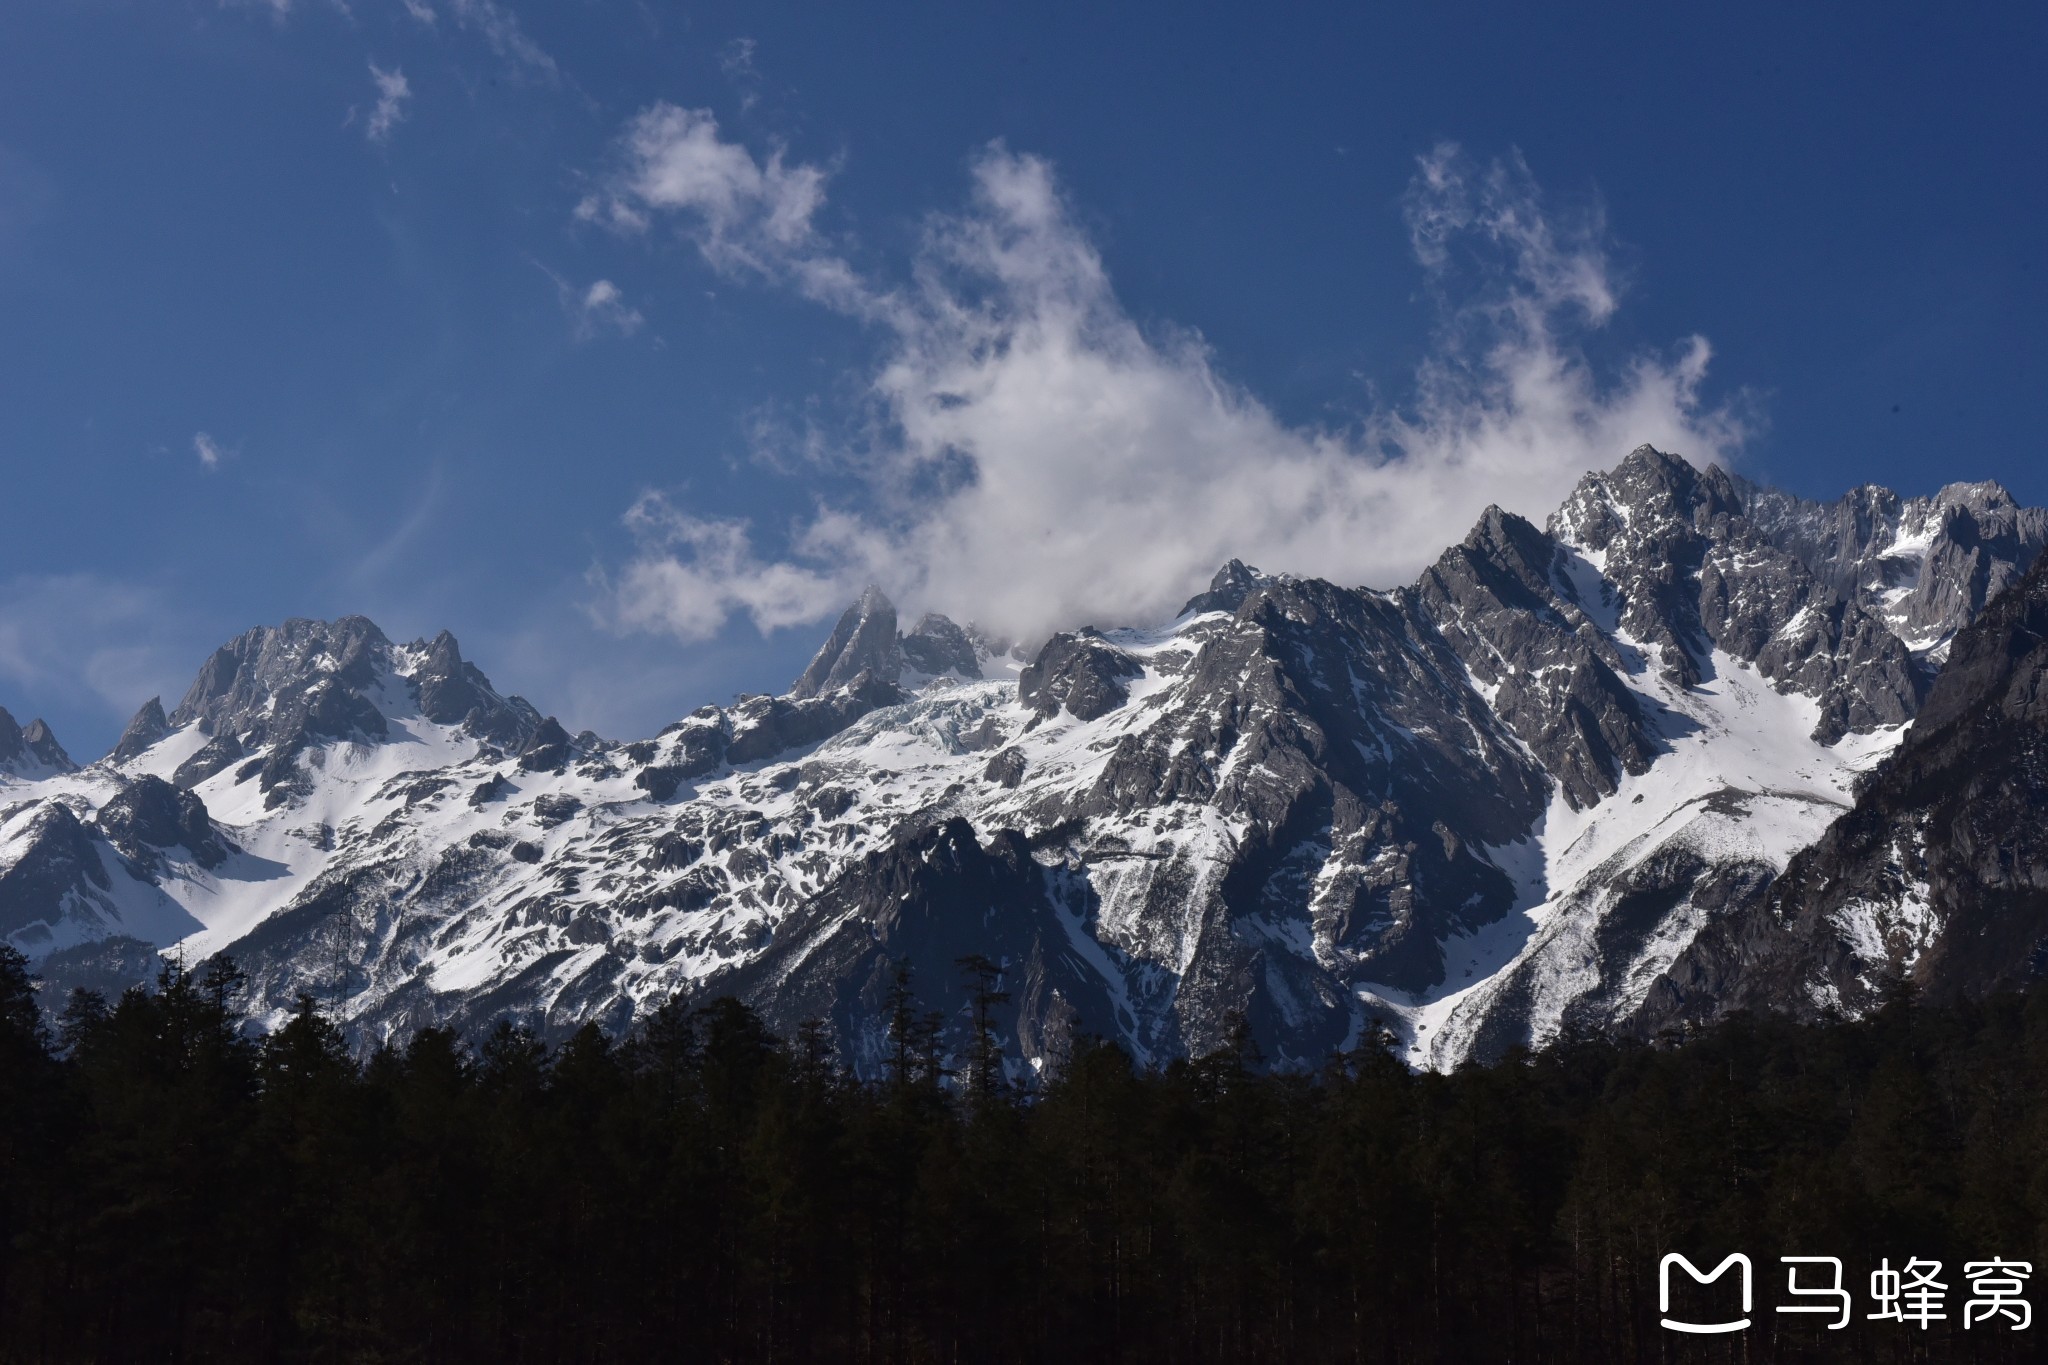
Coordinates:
(1504,798)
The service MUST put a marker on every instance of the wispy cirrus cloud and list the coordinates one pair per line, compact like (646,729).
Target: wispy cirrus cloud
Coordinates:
(208,450)
(393,92)
(66,636)
(601,308)
(1034,458)
(736,58)
(490,20)
(501,31)
(594,309)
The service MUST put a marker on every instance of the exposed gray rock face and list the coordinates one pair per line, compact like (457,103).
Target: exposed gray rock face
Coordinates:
(547,749)
(43,747)
(1926,566)
(62,881)
(1082,673)
(935,645)
(694,747)
(1233,583)
(217,755)
(13,753)
(453,692)
(1336,734)
(31,750)
(1815,596)
(863,643)
(1938,875)
(55,862)
(933,898)
(763,727)
(148,726)
(1006,768)
(261,685)
(1623,635)
(1506,602)
(305,682)
(150,815)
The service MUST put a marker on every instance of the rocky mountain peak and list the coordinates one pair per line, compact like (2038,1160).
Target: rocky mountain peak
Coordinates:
(936,645)
(1081,672)
(41,742)
(262,672)
(148,726)
(31,749)
(1649,492)
(1233,583)
(863,641)
(453,691)
(1989,498)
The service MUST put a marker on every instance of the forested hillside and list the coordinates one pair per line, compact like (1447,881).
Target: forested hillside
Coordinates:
(175,1189)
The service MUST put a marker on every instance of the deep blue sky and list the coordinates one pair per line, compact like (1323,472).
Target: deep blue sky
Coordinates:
(415,418)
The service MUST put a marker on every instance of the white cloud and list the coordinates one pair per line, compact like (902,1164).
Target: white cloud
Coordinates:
(1038,460)
(599,308)
(700,571)
(603,306)
(422,11)
(744,214)
(207,449)
(595,308)
(392,92)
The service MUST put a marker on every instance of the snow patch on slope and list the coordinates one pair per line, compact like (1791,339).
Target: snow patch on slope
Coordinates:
(1741,780)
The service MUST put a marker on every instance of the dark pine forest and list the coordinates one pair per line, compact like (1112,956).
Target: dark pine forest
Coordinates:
(174,1187)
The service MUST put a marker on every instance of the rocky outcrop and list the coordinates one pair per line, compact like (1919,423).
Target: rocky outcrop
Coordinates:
(1939,873)
(1083,674)
(937,646)
(262,681)
(1507,602)
(862,644)
(763,727)
(547,749)
(150,815)
(215,756)
(1830,600)
(148,726)
(454,692)
(42,746)
(939,895)
(1233,583)
(53,861)
(31,750)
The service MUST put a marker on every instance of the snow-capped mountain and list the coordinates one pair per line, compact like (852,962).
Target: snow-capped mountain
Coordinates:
(1937,875)
(30,751)
(1478,808)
